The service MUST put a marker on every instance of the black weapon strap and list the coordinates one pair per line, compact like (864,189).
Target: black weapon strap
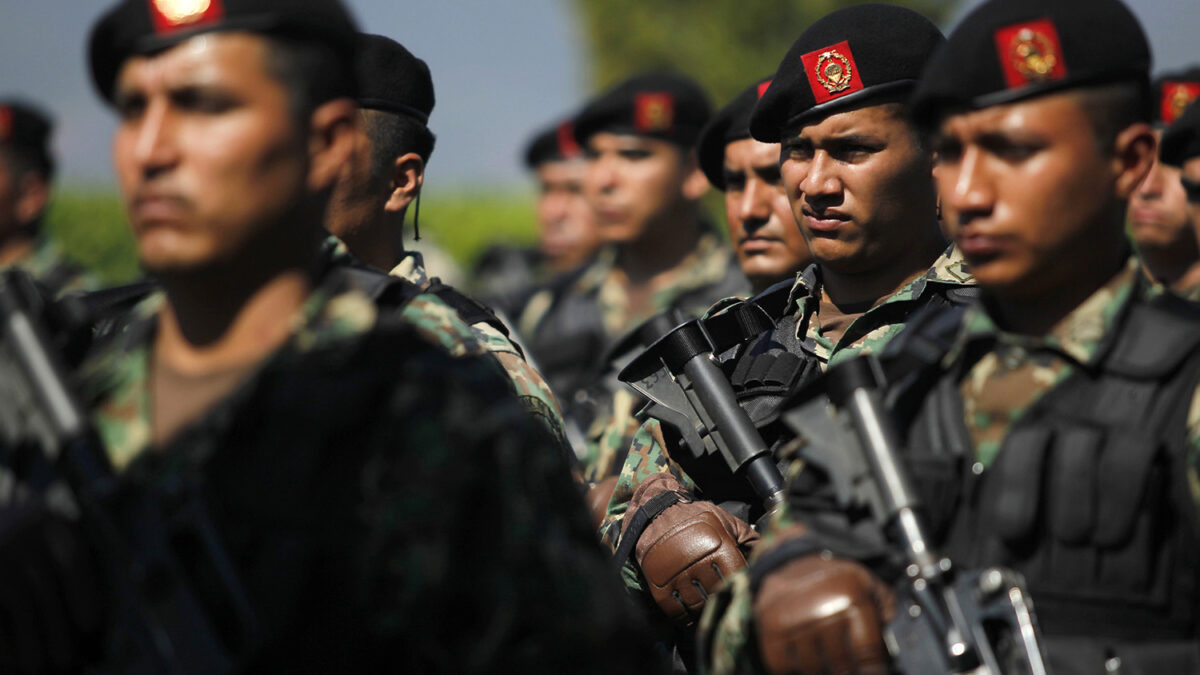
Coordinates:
(641,520)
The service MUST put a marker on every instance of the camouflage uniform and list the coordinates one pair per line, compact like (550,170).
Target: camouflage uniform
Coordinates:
(571,325)
(47,264)
(385,506)
(998,388)
(868,333)
(433,316)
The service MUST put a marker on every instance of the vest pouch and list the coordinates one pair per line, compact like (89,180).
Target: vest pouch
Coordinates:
(1014,484)
(1124,475)
(1073,482)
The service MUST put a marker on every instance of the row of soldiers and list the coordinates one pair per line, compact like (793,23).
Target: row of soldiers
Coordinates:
(388,481)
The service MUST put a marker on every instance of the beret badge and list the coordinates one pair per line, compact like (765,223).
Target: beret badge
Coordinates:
(653,111)
(1175,97)
(171,14)
(832,72)
(1030,53)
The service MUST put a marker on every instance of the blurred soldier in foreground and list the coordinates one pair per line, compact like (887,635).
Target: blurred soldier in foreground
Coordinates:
(860,186)
(26,178)
(1163,235)
(1181,149)
(379,504)
(643,184)
(1052,427)
(383,177)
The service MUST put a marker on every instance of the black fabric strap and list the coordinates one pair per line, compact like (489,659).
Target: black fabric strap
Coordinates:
(641,520)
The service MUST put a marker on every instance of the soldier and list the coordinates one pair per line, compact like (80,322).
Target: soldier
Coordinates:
(1053,430)
(1180,149)
(766,239)
(26,178)
(1162,232)
(568,235)
(383,177)
(860,186)
(380,505)
(643,183)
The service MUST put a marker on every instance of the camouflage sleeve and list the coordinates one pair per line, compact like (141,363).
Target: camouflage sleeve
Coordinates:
(439,324)
(480,554)
(647,457)
(609,440)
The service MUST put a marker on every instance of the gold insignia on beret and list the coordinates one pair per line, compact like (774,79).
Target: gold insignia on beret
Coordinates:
(1033,55)
(182,11)
(833,71)
(1178,99)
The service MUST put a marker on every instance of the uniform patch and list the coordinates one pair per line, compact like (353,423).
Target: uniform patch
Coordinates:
(6,124)
(763,87)
(567,147)
(653,111)
(1175,97)
(1030,53)
(170,15)
(832,72)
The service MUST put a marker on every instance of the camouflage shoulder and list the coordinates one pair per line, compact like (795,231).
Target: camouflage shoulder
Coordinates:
(951,268)
(441,324)
(534,393)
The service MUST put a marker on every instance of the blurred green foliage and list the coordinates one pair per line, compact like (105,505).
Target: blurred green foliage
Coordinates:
(91,226)
(724,44)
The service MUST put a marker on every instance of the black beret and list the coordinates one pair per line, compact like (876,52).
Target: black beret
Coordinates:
(731,123)
(1181,140)
(854,57)
(391,79)
(1173,92)
(26,129)
(1010,50)
(148,26)
(553,144)
(662,104)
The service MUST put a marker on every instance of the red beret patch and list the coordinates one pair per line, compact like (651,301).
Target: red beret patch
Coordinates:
(1175,97)
(653,111)
(1030,53)
(832,72)
(567,147)
(171,15)
(6,123)
(762,88)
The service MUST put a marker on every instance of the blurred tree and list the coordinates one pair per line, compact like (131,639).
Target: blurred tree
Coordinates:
(724,44)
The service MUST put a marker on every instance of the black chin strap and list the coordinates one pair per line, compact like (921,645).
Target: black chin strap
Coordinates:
(417,219)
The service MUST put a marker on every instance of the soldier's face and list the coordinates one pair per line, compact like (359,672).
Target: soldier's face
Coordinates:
(1158,212)
(764,233)
(566,224)
(209,158)
(860,188)
(633,183)
(1028,193)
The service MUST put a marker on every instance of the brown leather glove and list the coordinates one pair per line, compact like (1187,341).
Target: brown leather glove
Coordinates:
(688,551)
(826,616)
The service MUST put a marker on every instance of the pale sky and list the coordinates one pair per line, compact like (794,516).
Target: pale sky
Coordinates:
(501,68)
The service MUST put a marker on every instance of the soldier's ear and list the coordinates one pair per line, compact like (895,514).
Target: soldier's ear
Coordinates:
(1135,151)
(332,131)
(695,185)
(408,175)
(33,193)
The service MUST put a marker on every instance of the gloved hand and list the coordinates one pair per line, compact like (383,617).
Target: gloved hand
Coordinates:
(51,600)
(826,616)
(688,550)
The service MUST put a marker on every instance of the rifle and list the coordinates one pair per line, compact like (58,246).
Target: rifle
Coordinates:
(47,441)
(688,390)
(948,620)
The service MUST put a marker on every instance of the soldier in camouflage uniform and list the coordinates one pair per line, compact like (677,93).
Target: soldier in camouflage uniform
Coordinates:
(382,504)
(1054,426)
(861,189)
(644,184)
(26,175)
(368,207)
(1163,235)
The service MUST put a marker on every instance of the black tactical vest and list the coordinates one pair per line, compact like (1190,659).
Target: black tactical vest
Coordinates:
(1088,497)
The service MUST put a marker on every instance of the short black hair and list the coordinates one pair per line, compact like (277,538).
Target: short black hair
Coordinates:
(1112,108)
(311,71)
(393,135)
